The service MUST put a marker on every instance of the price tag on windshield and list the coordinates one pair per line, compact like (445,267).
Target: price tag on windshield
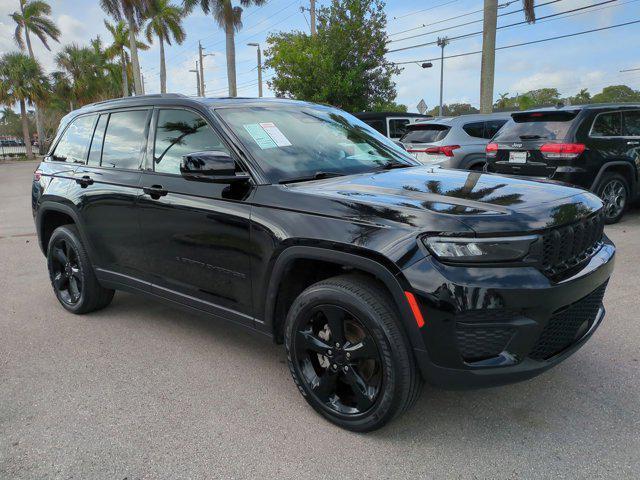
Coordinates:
(260,136)
(276,135)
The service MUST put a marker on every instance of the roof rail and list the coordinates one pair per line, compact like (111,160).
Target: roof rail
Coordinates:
(150,95)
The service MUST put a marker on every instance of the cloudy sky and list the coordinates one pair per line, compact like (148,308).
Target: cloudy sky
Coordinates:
(586,61)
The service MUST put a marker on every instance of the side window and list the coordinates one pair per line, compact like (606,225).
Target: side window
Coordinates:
(607,125)
(378,125)
(398,127)
(491,128)
(632,123)
(96,144)
(178,133)
(74,143)
(474,129)
(124,139)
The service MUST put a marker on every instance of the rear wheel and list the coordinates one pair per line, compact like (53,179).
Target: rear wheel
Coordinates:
(347,354)
(71,273)
(613,189)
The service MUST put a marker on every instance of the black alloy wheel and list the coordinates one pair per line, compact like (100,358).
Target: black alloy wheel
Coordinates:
(72,276)
(348,353)
(339,360)
(614,192)
(65,271)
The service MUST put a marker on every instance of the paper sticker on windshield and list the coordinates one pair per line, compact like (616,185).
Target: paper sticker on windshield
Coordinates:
(276,135)
(260,136)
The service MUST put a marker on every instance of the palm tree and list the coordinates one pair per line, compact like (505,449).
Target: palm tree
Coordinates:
(229,18)
(120,35)
(164,22)
(132,12)
(489,48)
(34,17)
(22,81)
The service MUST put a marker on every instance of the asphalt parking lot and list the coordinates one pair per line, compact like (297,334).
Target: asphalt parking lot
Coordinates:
(140,390)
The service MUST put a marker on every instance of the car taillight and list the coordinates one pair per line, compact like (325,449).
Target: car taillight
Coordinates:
(36,175)
(562,150)
(445,150)
(492,150)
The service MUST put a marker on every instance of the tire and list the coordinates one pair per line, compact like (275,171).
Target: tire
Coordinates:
(613,189)
(381,362)
(72,276)
(477,167)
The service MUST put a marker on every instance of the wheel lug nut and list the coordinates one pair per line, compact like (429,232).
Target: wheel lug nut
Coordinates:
(348,355)
(337,345)
(335,367)
(329,352)
(346,369)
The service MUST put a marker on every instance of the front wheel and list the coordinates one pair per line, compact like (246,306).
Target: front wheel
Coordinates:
(613,189)
(348,355)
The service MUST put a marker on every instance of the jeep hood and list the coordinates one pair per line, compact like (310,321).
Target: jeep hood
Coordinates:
(432,198)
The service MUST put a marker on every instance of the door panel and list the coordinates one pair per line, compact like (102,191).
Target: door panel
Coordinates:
(196,234)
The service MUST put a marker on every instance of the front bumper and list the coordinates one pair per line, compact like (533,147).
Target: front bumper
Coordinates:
(492,326)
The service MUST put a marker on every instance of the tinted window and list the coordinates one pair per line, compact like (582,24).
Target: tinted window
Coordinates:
(378,125)
(74,143)
(474,129)
(180,132)
(398,127)
(425,133)
(124,139)
(537,126)
(491,128)
(607,125)
(632,123)
(96,143)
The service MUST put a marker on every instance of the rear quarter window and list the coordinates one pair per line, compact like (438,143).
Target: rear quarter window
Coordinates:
(475,129)
(607,125)
(537,126)
(425,133)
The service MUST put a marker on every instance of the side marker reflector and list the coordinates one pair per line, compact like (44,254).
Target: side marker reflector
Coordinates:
(415,309)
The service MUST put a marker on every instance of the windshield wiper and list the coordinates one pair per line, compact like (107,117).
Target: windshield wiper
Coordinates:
(315,176)
(392,165)
(532,137)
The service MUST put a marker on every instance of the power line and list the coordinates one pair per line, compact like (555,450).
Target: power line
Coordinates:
(466,35)
(504,5)
(425,9)
(523,43)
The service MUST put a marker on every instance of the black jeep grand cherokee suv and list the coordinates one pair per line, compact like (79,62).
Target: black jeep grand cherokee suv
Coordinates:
(596,147)
(302,223)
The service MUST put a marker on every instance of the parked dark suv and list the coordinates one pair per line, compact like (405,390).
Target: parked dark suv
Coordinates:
(596,147)
(302,223)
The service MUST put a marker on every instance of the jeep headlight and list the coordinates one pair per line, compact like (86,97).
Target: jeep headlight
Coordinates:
(492,250)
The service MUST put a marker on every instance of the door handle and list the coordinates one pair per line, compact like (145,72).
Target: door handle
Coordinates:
(85,181)
(633,142)
(155,191)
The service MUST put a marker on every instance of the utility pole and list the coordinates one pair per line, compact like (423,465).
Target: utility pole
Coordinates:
(312,15)
(442,42)
(197,72)
(143,84)
(201,56)
(259,67)
(487,71)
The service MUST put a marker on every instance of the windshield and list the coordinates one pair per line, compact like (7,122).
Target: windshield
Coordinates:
(536,126)
(428,133)
(292,142)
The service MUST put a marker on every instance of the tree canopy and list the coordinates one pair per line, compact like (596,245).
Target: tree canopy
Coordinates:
(342,65)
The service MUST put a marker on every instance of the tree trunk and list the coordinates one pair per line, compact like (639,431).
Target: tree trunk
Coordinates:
(25,128)
(135,64)
(125,79)
(488,55)
(231,60)
(163,70)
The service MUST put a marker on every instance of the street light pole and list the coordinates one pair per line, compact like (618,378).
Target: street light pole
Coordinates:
(257,45)
(197,72)
(442,42)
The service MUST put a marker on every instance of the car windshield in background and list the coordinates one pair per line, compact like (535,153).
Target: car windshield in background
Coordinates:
(300,143)
(536,126)
(425,133)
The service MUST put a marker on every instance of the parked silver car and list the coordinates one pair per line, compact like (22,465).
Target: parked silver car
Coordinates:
(453,142)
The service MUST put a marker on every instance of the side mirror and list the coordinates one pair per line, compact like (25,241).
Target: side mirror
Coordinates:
(212,166)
